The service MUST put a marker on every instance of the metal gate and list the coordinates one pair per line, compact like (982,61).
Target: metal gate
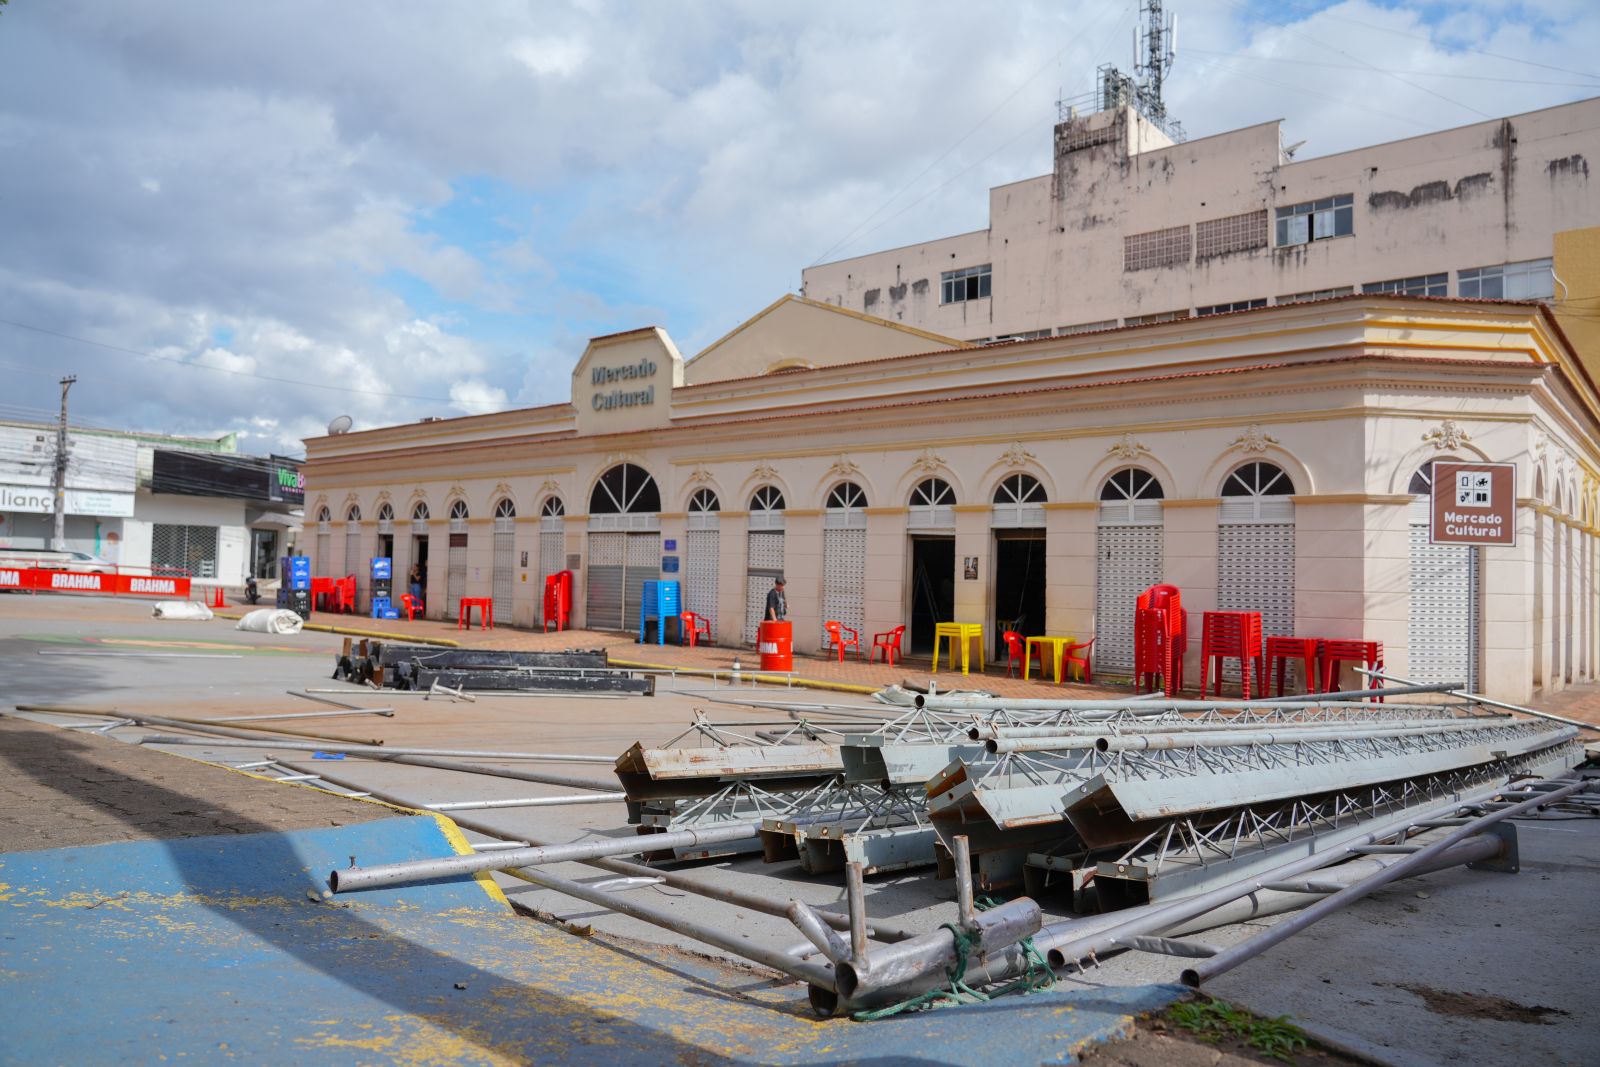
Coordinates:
(1443,624)
(505,539)
(844,575)
(644,564)
(323,567)
(552,560)
(701,549)
(352,550)
(1128,561)
(765,564)
(1255,572)
(619,565)
(455,578)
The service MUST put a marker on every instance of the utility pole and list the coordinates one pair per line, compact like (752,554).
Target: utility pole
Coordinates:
(59,542)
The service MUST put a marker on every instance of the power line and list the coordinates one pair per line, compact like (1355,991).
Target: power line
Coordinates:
(1415,73)
(1465,48)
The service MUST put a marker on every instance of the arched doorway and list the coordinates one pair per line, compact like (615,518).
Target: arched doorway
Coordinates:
(624,546)
(455,575)
(386,538)
(764,555)
(1255,546)
(420,517)
(1129,546)
(844,556)
(1017,519)
(931,525)
(352,541)
(323,565)
(1442,628)
(552,548)
(503,573)
(701,556)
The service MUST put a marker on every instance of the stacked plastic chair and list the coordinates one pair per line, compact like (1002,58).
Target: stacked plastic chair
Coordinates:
(1160,639)
(1226,635)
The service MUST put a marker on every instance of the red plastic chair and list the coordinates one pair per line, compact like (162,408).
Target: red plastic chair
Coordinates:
(1016,648)
(1231,635)
(888,644)
(1078,652)
(836,637)
(345,594)
(691,627)
(408,604)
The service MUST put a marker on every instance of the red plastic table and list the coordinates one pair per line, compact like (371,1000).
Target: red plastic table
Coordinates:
(485,606)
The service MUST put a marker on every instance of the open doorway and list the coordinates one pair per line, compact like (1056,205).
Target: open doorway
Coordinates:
(1019,579)
(933,588)
(386,548)
(419,559)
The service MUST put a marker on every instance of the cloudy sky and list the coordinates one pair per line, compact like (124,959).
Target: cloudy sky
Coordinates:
(254,217)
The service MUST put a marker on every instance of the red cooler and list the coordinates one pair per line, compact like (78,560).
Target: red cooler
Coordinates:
(775,642)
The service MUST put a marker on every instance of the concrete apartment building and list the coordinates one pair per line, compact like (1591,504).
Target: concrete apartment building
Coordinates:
(1132,228)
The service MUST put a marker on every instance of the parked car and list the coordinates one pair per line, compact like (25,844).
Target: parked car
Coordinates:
(52,560)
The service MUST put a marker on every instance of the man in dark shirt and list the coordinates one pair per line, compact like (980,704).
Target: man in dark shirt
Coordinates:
(777,604)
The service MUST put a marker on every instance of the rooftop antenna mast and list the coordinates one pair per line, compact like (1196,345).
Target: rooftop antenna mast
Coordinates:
(1155,46)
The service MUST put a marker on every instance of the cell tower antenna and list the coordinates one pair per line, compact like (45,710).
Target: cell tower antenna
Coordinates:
(1155,46)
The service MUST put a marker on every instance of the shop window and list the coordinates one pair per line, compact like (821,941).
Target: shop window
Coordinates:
(1531,280)
(184,550)
(1236,305)
(971,283)
(1421,285)
(1316,220)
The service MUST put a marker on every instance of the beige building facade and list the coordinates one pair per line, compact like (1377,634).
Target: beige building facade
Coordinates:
(1131,228)
(1269,460)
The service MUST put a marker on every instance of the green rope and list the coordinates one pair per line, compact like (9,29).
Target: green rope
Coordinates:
(1037,976)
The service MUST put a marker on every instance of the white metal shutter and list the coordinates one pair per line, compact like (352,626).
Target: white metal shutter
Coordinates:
(700,574)
(505,539)
(352,550)
(607,552)
(552,560)
(323,567)
(455,579)
(844,576)
(1128,562)
(1443,623)
(643,564)
(764,564)
(1255,572)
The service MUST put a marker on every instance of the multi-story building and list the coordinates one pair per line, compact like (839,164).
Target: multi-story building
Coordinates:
(1132,228)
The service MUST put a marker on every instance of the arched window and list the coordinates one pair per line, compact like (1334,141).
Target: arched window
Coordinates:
(458,510)
(766,509)
(505,514)
(1019,501)
(553,508)
(845,507)
(324,515)
(420,512)
(933,505)
(1131,497)
(624,490)
(703,508)
(385,512)
(1257,492)
(354,514)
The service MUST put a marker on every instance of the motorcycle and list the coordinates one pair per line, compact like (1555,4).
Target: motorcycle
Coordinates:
(251,593)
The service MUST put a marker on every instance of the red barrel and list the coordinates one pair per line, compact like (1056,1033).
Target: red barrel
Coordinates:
(775,642)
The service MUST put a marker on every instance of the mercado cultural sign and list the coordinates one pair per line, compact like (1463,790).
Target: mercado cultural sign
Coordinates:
(1474,504)
(629,373)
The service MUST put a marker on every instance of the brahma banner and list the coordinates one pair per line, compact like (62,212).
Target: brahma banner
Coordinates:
(39,580)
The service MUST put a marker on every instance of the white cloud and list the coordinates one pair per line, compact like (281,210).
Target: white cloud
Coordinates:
(550,57)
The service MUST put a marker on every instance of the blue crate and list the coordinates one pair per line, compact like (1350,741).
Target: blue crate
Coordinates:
(390,613)
(382,567)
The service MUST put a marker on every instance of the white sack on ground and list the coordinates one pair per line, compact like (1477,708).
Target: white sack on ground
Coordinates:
(181,609)
(271,621)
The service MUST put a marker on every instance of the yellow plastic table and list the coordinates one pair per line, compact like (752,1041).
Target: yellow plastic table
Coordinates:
(964,632)
(1057,646)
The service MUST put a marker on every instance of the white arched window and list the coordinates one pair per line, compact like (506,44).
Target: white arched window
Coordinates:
(505,514)
(1131,497)
(845,508)
(766,509)
(1255,546)
(458,517)
(550,514)
(419,517)
(386,518)
(625,498)
(1019,500)
(353,514)
(932,506)
(703,508)
(1257,493)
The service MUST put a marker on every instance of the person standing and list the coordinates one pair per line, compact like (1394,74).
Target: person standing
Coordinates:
(416,581)
(777,603)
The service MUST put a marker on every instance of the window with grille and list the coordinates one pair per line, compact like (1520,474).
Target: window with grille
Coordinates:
(1131,497)
(971,283)
(933,505)
(1316,220)
(354,514)
(1315,294)
(505,514)
(1236,305)
(766,509)
(1421,285)
(385,518)
(846,502)
(703,508)
(1257,493)
(184,550)
(419,518)
(625,498)
(1158,248)
(458,517)
(1086,327)
(324,516)
(1235,233)
(550,514)
(1532,280)
(1019,500)
(1158,316)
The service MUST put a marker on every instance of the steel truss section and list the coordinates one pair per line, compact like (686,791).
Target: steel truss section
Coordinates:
(882,826)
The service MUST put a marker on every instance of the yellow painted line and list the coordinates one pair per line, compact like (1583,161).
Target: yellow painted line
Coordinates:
(765,679)
(458,841)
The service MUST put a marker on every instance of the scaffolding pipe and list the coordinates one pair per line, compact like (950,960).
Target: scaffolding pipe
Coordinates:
(1139,707)
(526,802)
(386,751)
(1232,738)
(1230,958)
(1362,694)
(1425,714)
(355,878)
(200,726)
(387,713)
(1479,698)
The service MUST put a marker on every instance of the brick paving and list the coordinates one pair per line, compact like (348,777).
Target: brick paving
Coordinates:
(61,788)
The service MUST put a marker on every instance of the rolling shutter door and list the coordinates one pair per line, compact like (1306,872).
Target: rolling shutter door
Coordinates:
(352,550)
(323,567)
(700,574)
(552,545)
(504,563)
(1129,562)
(844,575)
(765,563)
(643,564)
(1255,572)
(1443,623)
(456,575)
(607,551)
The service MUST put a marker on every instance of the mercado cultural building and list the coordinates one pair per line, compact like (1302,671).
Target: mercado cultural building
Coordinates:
(1328,329)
